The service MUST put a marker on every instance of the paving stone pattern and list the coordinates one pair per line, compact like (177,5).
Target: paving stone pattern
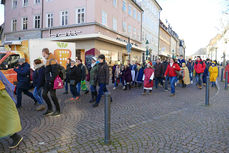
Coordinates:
(139,124)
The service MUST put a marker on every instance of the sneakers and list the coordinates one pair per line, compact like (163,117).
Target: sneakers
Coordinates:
(95,105)
(16,141)
(72,99)
(77,98)
(114,88)
(40,108)
(172,95)
(86,92)
(56,114)
(48,113)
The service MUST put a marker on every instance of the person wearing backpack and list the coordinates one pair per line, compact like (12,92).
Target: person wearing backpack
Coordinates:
(38,83)
(52,70)
(199,68)
(23,81)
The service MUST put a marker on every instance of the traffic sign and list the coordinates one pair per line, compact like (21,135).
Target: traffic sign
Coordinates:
(128,47)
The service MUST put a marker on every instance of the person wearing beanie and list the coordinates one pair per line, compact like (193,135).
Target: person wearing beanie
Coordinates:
(94,68)
(171,71)
(213,70)
(148,78)
(23,81)
(101,78)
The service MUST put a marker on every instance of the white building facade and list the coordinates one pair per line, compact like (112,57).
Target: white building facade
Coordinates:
(150,26)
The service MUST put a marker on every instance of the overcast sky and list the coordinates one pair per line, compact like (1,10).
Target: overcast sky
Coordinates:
(195,21)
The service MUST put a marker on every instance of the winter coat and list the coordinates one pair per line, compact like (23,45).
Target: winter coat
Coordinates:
(127,74)
(213,70)
(83,71)
(140,74)
(102,74)
(164,67)
(39,76)
(148,75)
(23,76)
(171,71)
(190,66)
(75,74)
(206,69)
(180,62)
(93,74)
(186,77)
(158,70)
(226,70)
(116,72)
(199,66)
(52,70)
(67,71)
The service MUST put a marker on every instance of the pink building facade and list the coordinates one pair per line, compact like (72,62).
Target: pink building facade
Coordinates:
(100,25)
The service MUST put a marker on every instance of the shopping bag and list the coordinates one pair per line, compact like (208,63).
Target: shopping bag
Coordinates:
(58,83)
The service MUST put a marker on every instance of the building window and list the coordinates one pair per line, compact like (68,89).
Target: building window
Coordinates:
(124,26)
(49,20)
(129,29)
(115,3)
(37,21)
(24,23)
(124,6)
(14,3)
(134,13)
(104,18)
(139,17)
(114,24)
(80,15)
(129,10)
(64,18)
(37,1)
(135,32)
(25,3)
(14,25)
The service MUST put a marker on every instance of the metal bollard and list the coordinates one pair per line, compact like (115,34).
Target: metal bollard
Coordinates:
(222,70)
(207,92)
(107,118)
(226,81)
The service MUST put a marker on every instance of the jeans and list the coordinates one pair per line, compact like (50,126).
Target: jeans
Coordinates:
(166,82)
(190,75)
(54,98)
(199,78)
(102,89)
(93,88)
(172,84)
(19,96)
(66,85)
(73,91)
(158,80)
(78,88)
(37,95)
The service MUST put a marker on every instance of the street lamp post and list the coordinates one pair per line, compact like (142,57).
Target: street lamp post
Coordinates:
(147,49)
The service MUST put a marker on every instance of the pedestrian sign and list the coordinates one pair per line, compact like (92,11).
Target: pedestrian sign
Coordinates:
(128,47)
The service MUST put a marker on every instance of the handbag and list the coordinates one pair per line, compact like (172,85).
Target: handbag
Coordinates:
(72,82)
(58,83)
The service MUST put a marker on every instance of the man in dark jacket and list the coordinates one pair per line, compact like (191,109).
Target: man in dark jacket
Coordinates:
(206,71)
(164,67)
(102,78)
(67,75)
(52,70)
(190,66)
(23,81)
(158,73)
(94,66)
(181,60)
(83,76)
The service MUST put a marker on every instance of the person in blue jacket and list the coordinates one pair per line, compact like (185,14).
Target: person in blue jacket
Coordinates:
(38,83)
(190,65)
(181,61)
(206,71)
(23,81)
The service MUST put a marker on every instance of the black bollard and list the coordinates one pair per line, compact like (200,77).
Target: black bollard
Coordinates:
(207,92)
(226,81)
(222,74)
(107,118)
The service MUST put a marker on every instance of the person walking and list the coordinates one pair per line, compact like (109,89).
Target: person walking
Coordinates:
(94,68)
(199,69)
(101,78)
(127,77)
(206,71)
(67,80)
(190,66)
(74,79)
(171,71)
(166,78)
(148,78)
(226,70)
(38,83)
(9,117)
(23,81)
(185,75)
(158,68)
(52,70)
(213,70)
(139,75)
(82,85)
(133,71)
(116,76)
(181,61)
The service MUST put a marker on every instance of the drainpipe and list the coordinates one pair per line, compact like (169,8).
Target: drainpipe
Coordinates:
(159,32)
(42,17)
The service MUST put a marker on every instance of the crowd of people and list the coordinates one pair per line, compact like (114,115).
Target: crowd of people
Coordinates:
(49,76)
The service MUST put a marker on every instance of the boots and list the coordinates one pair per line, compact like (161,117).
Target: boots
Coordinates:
(16,140)
(93,97)
(144,92)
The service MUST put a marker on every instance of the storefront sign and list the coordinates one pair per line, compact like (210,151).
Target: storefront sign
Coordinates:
(70,33)
(123,40)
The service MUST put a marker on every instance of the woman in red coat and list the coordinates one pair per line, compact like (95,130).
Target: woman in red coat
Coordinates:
(171,71)
(148,78)
(226,70)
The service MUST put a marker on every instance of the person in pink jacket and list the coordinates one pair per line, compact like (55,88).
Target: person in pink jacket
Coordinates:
(148,78)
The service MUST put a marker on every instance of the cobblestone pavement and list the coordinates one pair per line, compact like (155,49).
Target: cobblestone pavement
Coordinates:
(141,124)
